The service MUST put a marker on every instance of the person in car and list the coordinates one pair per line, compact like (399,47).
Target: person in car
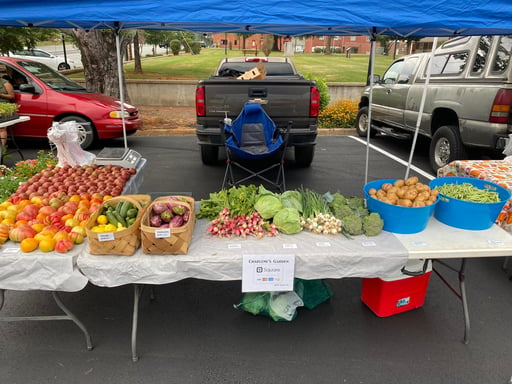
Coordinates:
(6,96)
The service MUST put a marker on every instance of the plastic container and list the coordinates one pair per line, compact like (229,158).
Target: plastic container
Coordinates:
(387,297)
(398,219)
(466,214)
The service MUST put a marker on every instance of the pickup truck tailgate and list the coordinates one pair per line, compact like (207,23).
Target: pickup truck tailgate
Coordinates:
(287,99)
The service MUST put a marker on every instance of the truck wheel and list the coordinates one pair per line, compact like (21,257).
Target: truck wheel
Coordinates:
(445,147)
(209,154)
(304,155)
(88,138)
(362,123)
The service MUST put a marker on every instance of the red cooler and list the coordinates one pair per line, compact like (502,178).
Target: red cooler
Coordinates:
(386,297)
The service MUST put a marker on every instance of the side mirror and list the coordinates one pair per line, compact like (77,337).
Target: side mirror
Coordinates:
(28,88)
(376,79)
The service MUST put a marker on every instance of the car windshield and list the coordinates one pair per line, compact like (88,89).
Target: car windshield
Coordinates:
(50,77)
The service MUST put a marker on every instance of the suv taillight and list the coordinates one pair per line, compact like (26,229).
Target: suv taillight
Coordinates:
(200,105)
(500,111)
(314,106)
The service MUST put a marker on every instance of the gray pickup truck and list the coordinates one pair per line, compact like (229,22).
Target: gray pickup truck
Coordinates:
(287,97)
(468,104)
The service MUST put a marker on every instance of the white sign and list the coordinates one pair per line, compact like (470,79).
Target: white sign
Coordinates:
(268,273)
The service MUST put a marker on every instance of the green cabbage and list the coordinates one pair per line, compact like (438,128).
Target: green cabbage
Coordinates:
(292,199)
(287,220)
(268,205)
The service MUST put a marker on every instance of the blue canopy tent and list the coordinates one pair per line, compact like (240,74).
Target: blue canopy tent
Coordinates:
(404,18)
(422,18)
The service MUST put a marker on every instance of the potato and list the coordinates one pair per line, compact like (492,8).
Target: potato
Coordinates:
(411,180)
(411,194)
(399,183)
(401,192)
(386,186)
(392,197)
(372,191)
(417,203)
(422,196)
(380,194)
(404,203)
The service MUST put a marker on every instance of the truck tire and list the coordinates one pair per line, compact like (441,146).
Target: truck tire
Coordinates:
(362,123)
(304,155)
(209,154)
(445,147)
(86,127)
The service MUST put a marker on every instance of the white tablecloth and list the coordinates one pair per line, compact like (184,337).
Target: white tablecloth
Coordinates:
(36,270)
(211,258)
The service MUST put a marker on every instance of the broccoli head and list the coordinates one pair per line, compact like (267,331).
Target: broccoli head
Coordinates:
(342,211)
(361,211)
(355,202)
(372,224)
(353,224)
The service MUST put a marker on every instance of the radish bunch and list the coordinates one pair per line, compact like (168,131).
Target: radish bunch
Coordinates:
(250,225)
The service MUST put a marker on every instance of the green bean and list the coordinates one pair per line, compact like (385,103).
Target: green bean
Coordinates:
(469,192)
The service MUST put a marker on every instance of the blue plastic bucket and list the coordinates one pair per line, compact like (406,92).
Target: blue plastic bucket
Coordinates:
(466,214)
(398,219)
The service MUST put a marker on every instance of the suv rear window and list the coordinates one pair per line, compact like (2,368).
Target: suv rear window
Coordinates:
(237,69)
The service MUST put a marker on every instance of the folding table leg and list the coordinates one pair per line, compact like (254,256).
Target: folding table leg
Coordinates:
(137,293)
(461,294)
(60,304)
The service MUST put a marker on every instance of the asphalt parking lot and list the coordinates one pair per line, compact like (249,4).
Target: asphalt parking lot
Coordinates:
(191,333)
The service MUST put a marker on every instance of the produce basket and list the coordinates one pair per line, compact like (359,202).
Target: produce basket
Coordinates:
(467,214)
(398,219)
(167,241)
(123,243)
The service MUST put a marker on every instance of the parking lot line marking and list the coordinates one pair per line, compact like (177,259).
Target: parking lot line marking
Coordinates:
(395,158)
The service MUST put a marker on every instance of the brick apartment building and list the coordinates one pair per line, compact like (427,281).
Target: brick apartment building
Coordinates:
(256,43)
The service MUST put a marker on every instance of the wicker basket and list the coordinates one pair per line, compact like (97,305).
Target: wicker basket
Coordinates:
(123,243)
(177,243)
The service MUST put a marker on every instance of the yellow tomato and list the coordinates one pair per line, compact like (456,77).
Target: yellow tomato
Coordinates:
(102,219)
(47,244)
(110,228)
(29,244)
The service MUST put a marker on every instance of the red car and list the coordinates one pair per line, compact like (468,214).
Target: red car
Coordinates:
(47,96)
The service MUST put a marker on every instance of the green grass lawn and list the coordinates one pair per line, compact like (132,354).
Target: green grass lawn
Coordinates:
(331,68)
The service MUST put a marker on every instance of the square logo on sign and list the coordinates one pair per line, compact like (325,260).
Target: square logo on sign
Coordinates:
(259,269)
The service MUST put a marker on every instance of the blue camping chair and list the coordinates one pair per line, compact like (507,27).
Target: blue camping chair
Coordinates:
(252,137)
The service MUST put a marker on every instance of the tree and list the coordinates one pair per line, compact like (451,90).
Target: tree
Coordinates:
(98,50)
(136,56)
(16,38)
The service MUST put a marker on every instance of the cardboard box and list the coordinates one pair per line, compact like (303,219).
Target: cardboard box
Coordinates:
(257,73)
(386,297)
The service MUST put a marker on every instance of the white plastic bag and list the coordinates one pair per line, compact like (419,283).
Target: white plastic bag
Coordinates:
(66,138)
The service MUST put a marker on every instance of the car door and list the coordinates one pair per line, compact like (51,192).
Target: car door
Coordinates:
(389,97)
(31,103)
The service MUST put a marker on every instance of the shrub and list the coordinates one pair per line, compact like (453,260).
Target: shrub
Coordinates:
(175,47)
(323,88)
(340,114)
(195,46)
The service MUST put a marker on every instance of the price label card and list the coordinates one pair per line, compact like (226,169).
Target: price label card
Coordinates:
(106,236)
(289,245)
(10,250)
(234,246)
(268,273)
(368,243)
(162,233)
(322,244)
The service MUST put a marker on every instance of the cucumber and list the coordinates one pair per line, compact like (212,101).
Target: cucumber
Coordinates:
(132,213)
(119,219)
(111,218)
(127,205)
